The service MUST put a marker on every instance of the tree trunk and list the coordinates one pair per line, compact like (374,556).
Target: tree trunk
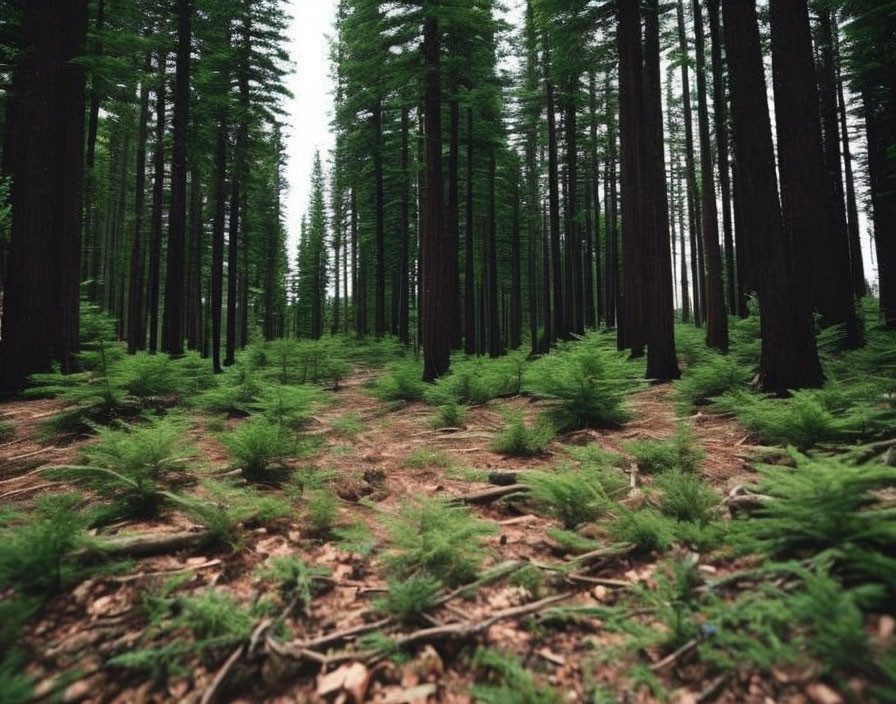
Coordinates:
(493,321)
(40,311)
(379,325)
(789,358)
(516,275)
(662,361)
(452,304)
(217,273)
(559,328)
(814,223)
(158,184)
(433,247)
(172,327)
(136,327)
(469,255)
(714,305)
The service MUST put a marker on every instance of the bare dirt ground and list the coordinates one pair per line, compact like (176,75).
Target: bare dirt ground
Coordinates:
(77,632)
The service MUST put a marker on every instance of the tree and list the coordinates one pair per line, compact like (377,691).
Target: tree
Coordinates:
(789,357)
(44,152)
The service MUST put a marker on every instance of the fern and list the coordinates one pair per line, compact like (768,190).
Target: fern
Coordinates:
(686,497)
(646,529)
(502,679)
(576,497)
(402,381)
(294,577)
(678,453)
(711,377)
(408,598)
(224,508)
(521,440)
(257,447)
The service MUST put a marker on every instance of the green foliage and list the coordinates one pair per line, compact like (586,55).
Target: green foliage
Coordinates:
(289,407)
(477,380)
(224,508)
(451,415)
(36,553)
(680,452)
(434,537)
(686,497)
(576,496)
(593,455)
(355,538)
(145,375)
(348,426)
(529,578)
(128,463)
(294,577)
(322,511)
(589,384)
(15,686)
(213,615)
(402,381)
(801,420)
(7,431)
(824,504)
(521,440)
(711,377)
(257,447)
(234,396)
(195,373)
(646,529)
(502,679)
(571,541)
(425,458)
(410,597)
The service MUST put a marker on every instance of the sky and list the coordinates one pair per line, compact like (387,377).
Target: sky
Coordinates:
(311,108)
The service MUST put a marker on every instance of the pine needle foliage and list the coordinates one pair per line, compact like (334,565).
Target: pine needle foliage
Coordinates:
(7,431)
(450,415)
(224,508)
(290,407)
(401,382)
(235,395)
(589,384)
(322,511)
(475,381)
(409,598)
(686,497)
(36,551)
(258,447)
(710,377)
(433,537)
(294,577)
(679,452)
(502,679)
(576,496)
(129,464)
(521,440)
(426,458)
(15,686)
(646,529)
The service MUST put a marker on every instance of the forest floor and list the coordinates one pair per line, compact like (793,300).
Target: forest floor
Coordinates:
(379,456)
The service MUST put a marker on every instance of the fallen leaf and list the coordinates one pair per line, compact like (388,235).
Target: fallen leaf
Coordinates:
(414,695)
(357,680)
(822,694)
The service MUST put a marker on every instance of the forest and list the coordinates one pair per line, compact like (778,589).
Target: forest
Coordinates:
(574,381)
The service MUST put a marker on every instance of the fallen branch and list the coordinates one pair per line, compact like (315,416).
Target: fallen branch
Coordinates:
(29,489)
(214,689)
(599,554)
(740,500)
(145,545)
(164,573)
(487,496)
(672,658)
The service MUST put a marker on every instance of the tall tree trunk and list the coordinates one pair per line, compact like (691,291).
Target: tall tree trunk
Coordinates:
(404,332)
(860,286)
(662,361)
(158,184)
(91,229)
(559,328)
(694,218)
(379,325)
(814,222)
(632,332)
(136,324)
(493,321)
(611,278)
(469,255)
(789,357)
(40,311)
(172,327)
(516,274)
(720,113)
(575,302)
(194,275)
(452,304)
(593,288)
(716,316)
(217,273)
(433,247)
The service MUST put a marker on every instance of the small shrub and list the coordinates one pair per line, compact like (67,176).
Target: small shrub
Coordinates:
(529,578)
(711,377)
(36,555)
(356,539)
(195,372)
(236,395)
(408,598)
(322,511)
(646,529)
(306,480)
(213,615)
(588,383)
(402,381)
(15,686)
(145,375)
(520,440)
(437,538)
(571,541)
(593,455)
(348,426)
(475,381)
(294,577)
(678,453)
(425,458)
(224,508)
(576,497)
(502,679)
(257,446)
(7,431)
(686,497)
(289,407)
(451,415)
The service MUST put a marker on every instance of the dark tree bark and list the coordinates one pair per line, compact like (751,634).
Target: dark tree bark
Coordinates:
(746,278)
(559,328)
(217,273)
(404,334)
(433,246)
(493,321)
(172,327)
(469,254)
(714,304)
(611,278)
(575,302)
(40,310)
(452,304)
(158,184)
(516,275)
(91,228)
(593,285)
(662,361)
(814,223)
(694,217)
(857,263)
(789,357)
(136,324)
(379,303)
(194,324)
(720,114)
(632,331)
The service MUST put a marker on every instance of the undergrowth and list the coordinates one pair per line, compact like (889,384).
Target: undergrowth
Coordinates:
(679,452)
(519,439)
(576,496)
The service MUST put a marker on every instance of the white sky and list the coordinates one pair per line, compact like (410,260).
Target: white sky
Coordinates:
(311,109)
